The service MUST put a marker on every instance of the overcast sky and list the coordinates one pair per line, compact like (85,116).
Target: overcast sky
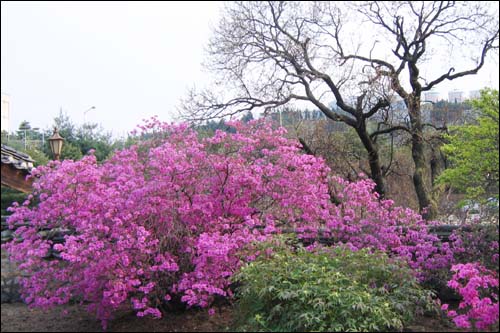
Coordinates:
(130,60)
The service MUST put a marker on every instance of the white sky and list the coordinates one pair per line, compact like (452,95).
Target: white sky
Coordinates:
(130,60)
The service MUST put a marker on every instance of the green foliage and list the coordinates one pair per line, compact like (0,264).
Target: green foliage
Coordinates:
(473,152)
(16,144)
(247,117)
(79,140)
(65,126)
(208,129)
(38,156)
(70,151)
(327,290)
(9,196)
(92,136)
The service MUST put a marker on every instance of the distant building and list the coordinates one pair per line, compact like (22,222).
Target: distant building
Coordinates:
(474,94)
(5,113)
(431,96)
(456,96)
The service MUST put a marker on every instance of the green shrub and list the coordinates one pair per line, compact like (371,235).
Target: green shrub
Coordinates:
(9,196)
(327,290)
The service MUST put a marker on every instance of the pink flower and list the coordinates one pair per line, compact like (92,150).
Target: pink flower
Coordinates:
(177,214)
(469,280)
(461,321)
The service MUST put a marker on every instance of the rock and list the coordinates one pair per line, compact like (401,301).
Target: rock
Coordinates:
(7,235)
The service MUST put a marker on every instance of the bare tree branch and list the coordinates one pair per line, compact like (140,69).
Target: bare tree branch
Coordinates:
(389,130)
(270,54)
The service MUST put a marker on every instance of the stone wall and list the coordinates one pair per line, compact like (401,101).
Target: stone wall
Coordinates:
(10,276)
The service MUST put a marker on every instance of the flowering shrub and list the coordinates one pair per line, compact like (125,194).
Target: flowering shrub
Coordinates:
(163,217)
(171,215)
(478,288)
(362,220)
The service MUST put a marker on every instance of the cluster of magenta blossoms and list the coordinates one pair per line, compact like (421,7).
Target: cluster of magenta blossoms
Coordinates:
(178,214)
(166,216)
(478,288)
(360,219)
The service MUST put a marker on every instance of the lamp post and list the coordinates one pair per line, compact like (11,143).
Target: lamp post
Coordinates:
(56,143)
(85,114)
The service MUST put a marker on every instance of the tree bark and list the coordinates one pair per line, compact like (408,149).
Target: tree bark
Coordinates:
(428,207)
(438,164)
(373,160)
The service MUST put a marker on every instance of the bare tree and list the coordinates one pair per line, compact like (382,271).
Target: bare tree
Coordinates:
(276,53)
(412,27)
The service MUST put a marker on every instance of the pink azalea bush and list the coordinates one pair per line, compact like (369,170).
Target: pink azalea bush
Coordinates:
(166,216)
(361,220)
(176,215)
(474,277)
(478,288)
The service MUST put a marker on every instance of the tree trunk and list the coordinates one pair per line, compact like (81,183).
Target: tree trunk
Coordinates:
(373,160)
(428,207)
(438,164)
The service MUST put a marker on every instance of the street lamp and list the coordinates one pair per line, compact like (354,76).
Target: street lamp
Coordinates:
(56,143)
(85,114)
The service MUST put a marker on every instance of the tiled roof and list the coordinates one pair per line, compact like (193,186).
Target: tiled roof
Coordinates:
(17,159)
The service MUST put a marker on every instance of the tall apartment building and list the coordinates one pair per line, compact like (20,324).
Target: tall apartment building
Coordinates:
(456,96)
(431,96)
(5,113)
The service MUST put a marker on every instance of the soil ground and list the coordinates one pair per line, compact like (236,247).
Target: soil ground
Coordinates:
(17,317)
